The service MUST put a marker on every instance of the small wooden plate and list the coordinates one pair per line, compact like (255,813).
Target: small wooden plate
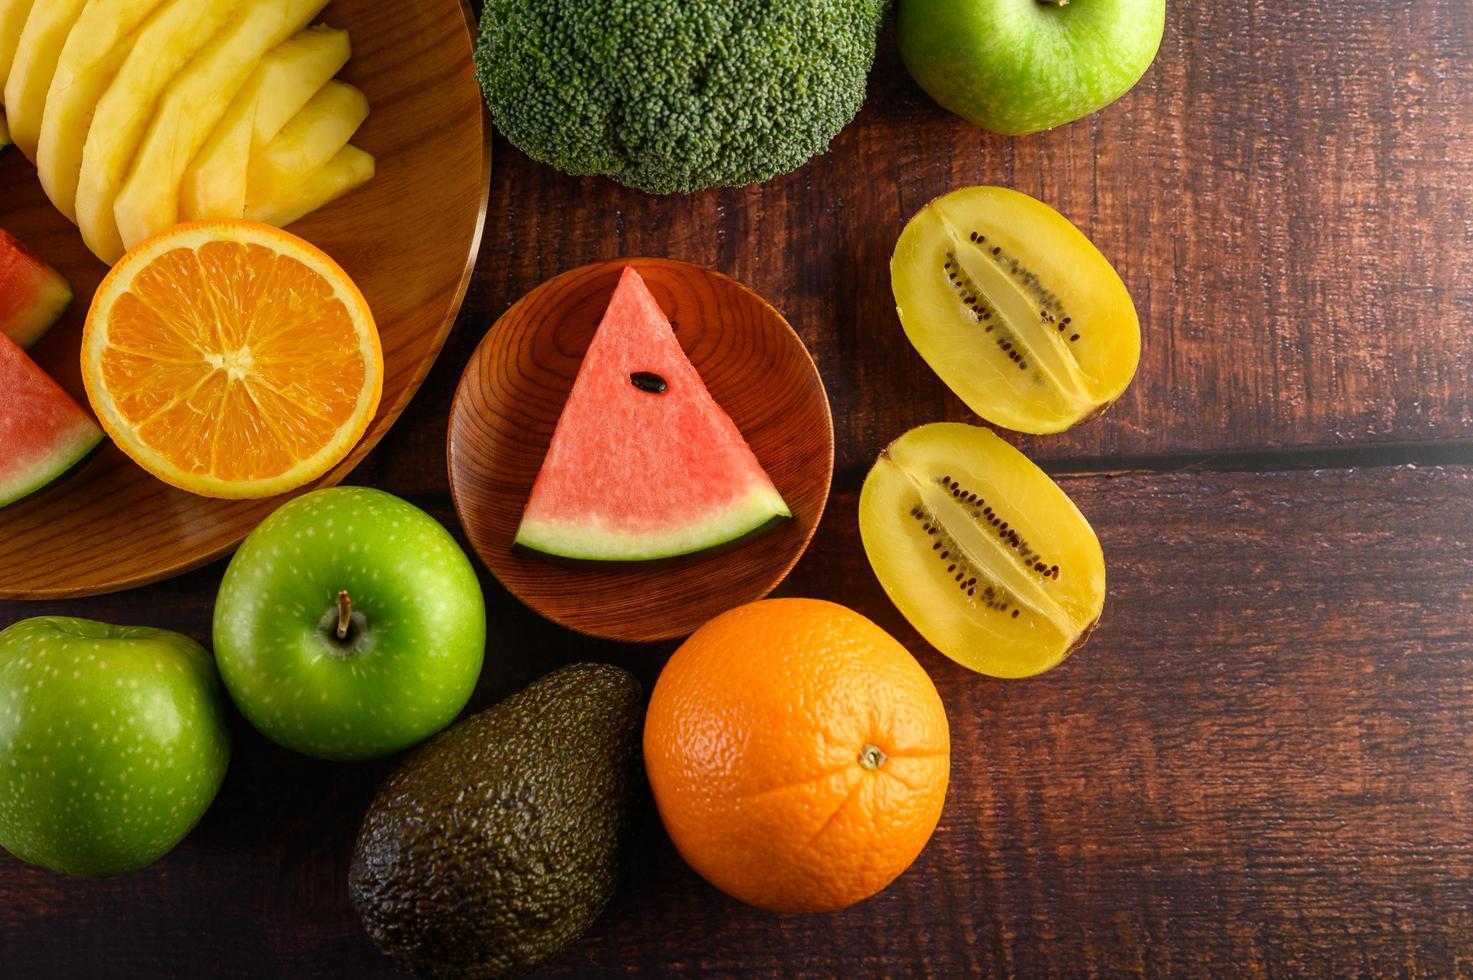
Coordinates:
(513,391)
(408,237)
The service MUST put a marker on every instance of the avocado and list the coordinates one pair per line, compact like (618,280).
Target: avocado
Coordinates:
(495,845)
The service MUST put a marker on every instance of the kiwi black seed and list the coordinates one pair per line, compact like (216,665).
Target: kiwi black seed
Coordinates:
(982,311)
(964,574)
(1051,309)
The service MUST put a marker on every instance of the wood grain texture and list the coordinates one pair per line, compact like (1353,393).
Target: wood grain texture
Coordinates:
(1257,765)
(512,394)
(408,238)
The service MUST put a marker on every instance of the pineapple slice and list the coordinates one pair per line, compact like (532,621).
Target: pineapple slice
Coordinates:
(101,39)
(167,42)
(193,105)
(13,14)
(40,45)
(312,137)
(280,202)
(287,77)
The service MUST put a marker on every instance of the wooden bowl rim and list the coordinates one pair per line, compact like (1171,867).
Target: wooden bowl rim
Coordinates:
(773,315)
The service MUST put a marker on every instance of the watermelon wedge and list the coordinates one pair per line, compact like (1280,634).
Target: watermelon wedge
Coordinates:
(43,432)
(33,295)
(643,464)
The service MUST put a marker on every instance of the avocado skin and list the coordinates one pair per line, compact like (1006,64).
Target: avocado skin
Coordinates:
(495,845)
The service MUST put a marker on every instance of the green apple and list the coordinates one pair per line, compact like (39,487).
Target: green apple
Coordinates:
(349,625)
(113,742)
(1021,66)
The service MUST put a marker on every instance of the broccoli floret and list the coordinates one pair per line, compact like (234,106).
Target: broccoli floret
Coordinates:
(672,96)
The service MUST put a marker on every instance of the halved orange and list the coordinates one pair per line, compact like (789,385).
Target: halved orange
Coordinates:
(231,359)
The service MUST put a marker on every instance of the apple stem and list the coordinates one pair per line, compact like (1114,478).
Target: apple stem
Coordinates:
(345,614)
(1056,3)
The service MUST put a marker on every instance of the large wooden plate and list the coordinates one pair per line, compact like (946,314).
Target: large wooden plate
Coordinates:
(513,391)
(409,238)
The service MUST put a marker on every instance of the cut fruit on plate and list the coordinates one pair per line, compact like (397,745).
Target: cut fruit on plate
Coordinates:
(192,106)
(94,51)
(36,54)
(232,359)
(985,556)
(33,295)
(13,14)
(44,432)
(286,80)
(1015,309)
(310,162)
(643,464)
(281,200)
(170,40)
(313,136)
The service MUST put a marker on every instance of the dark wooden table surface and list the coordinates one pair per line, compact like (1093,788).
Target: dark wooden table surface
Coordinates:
(1263,760)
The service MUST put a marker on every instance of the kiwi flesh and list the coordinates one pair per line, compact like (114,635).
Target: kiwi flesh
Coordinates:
(985,555)
(1015,309)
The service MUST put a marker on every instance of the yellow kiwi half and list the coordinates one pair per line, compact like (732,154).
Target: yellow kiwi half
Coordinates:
(985,556)
(1014,309)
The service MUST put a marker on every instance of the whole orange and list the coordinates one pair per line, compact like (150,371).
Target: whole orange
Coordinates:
(798,754)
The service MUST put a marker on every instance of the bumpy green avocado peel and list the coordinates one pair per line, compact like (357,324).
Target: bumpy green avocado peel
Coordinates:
(496,844)
(673,96)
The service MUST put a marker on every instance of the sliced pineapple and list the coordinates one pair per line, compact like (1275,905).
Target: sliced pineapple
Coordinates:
(36,54)
(13,14)
(313,136)
(281,201)
(164,44)
(95,50)
(288,76)
(191,108)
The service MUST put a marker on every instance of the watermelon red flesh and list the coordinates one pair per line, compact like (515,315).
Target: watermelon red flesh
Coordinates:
(43,432)
(32,294)
(633,475)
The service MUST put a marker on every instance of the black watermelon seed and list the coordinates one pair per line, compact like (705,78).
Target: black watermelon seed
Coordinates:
(648,381)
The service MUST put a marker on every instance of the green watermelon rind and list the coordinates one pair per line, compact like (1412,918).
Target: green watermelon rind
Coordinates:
(42,472)
(54,295)
(46,292)
(581,543)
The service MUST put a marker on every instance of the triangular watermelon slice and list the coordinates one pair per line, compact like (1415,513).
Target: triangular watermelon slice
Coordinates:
(43,432)
(33,295)
(644,465)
